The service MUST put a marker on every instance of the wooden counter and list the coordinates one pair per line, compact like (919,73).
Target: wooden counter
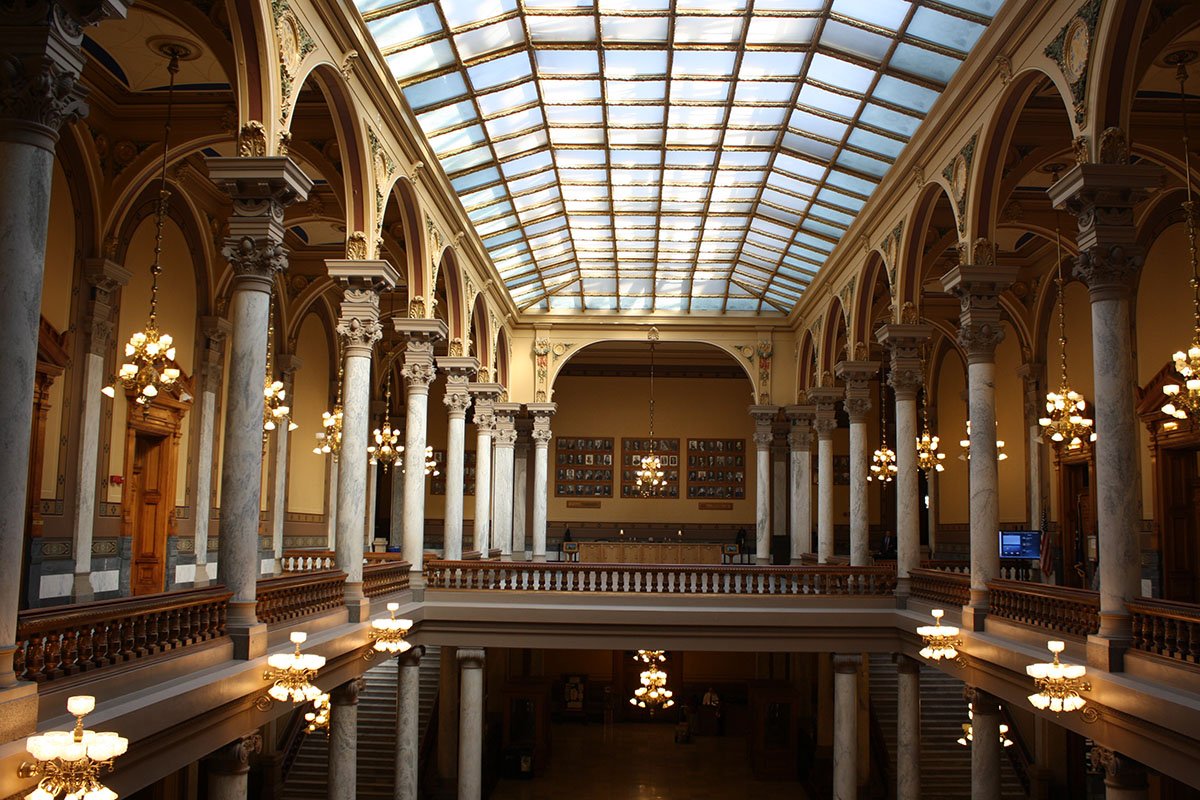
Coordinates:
(649,553)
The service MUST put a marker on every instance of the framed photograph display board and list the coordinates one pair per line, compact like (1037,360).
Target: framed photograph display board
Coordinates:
(583,467)
(632,451)
(716,469)
(438,485)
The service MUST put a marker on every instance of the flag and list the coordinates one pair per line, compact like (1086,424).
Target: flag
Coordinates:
(1047,553)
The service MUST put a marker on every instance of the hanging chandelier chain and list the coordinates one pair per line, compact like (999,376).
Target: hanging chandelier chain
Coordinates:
(1060,284)
(651,396)
(1189,207)
(164,194)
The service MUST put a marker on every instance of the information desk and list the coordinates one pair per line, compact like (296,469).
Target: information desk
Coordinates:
(649,553)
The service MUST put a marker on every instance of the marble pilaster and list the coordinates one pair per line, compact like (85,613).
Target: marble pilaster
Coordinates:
(1103,198)
(485,395)
(824,399)
(358,328)
(908,728)
(215,331)
(396,523)
(281,437)
(800,482)
(504,441)
(764,420)
(470,724)
(331,493)
(541,413)
(343,740)
(229,768)
(779,485)
(845,726)
(857,375)
(104,279)
(977,282)
(261,188)
(985,745)
(904,343)
(419,336)
(459,371)
(408,711)
(1124,778)
(521,489)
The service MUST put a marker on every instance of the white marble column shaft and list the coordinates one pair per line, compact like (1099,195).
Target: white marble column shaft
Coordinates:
(408,711)
(420,336)
(825,538)
(908,728)
(216,330)
(985,748)
(331,493)
(859,501)
(470,724)
(541,458)
(780,494)
(845,727)
(280,438)
(800,481)
(502,486)
(229,769)
(396,529)
(520,497)
(343,741)
(352,467)
(908,499)
(762,498)
(455,448)
(483,484)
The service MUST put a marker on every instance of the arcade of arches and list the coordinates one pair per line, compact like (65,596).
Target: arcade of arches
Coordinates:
(531,245)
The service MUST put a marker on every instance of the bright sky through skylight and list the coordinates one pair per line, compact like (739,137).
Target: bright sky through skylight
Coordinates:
(669,155)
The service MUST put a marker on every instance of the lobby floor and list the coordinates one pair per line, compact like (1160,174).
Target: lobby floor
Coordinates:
(642,762)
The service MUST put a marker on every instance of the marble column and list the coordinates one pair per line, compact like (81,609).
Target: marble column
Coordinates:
(358,328)
(369,521)
(824,400)
(229,768)
(845,726)
(470,724)
(408,712)
(1103,198)
(504,441)
(800,486)
(212,364)
(104,279)
(343,740)
(1035,395)
(779,486)
(977,282)
(287,365)
(541,413)
(486,395)
(43,61)
(447,739)
(331,493)
(459,371)
(520,489)
(396,523)
(419,336)
(1124,778)
(857,377)
(764,419)
(261,189)
(908,728)
(906,377)
(985,744)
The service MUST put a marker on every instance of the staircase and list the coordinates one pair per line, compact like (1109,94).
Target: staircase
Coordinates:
(308,777)
(945,764)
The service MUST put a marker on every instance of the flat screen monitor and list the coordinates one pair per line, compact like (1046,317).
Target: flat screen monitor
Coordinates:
(1021,544)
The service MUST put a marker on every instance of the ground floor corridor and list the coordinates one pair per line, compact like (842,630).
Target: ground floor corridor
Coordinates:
(629,761)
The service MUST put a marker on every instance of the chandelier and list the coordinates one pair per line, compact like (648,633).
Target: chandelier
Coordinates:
(650,656)
(387,449)
(1058,685)
(883,461)
(929,459)
(969,730)
(149,364)
(69,763)
(965,444)
(318,718)
(275,407)
(650,480)
(292,673)
(940,641)
(1185,402)
(431,464)
(388,635)
(1065,422)
(329,438)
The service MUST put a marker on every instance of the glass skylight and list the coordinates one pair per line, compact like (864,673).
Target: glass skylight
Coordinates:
(669,155)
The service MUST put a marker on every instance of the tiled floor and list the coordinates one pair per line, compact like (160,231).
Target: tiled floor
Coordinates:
(642,762)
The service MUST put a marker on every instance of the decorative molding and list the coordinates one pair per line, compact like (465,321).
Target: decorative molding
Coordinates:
(294,43)
(1071,51)
(958,177)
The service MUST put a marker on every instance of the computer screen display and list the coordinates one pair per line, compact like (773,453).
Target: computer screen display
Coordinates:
(1020,544)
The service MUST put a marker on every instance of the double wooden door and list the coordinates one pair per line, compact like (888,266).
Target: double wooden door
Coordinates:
(1180,487)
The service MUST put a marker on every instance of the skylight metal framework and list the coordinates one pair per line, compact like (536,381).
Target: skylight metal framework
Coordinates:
(669,155)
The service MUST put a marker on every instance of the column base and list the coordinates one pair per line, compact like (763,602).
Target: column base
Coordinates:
(539,559)
(795,562)
(201,579)
(249,640)
(506,557)
(1106,652)
(973,618)
(18,711)
(903,590)
(81,589)
(762,560)
(358,607)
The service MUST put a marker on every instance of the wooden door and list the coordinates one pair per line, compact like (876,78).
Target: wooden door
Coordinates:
(1181,492)
(1078,524)
(151,506)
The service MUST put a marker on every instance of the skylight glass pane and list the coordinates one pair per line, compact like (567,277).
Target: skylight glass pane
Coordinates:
(882,13)
(491,74)
(428,57)
(489,38)
(781,30)
(435,90)
(944,29)
(924,63)
(633,29)
(561,29)
(855,41)
(405,26)
(708,30)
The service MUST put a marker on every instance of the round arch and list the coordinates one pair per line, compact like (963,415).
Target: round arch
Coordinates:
(912,245)
(836,329)
(449,276)
(728,349)
(414,248)
(873,274)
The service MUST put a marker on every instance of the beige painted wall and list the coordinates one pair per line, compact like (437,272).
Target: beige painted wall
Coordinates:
(310,397)
(57,289)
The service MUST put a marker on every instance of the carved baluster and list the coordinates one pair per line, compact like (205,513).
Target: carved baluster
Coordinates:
(35,657)
(70,651)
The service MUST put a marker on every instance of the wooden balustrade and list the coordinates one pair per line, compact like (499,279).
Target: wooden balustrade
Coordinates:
(60,641)
(1058,608)
(938,586)
(288,597)
(659,578)
(1166,628)
(385,577)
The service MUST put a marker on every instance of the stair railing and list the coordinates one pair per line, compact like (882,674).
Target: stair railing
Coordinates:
(427,759)
(881,783)
(290,740)
(1018,754)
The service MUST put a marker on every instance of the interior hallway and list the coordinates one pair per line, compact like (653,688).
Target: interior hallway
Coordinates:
(642,762)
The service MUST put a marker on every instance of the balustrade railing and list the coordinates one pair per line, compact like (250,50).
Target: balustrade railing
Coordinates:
(939,586)
(385,577)
(288,597)
(307,560)
(659,578)
(1058,608)
(60,641)
(1166,628)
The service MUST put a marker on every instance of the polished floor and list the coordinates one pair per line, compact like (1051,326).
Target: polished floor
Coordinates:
(642,762)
